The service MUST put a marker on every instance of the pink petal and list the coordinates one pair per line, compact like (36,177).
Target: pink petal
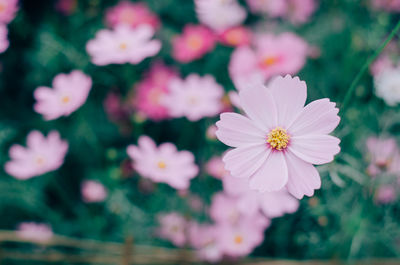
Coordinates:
(290,96)
(277,203)
(303,177)
(146,144)
(315,149)
(259,105)
(318,117)
(273,174)
(35,139)
(242,162)
(237,130)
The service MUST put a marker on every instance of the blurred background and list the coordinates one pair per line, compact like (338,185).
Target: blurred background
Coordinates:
(93,191)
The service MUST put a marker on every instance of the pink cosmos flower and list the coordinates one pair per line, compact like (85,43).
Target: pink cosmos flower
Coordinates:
(387,5)
(69,93)
(272,55)
(41,155)
(66,7)
(277,143)
(8,9)
(215,167)
(271,204)
(205,239)
(173,228)
(151,90)
(164,163)
(386,194)
(35,232)
(300,11)
(4,43)
(275,8)
(93,191)
(194,42)
(194,98)
(240,239)
(131,14)
(220,15)
(210,133)
(237,36)
(382,63)
(385,156)
(123,45)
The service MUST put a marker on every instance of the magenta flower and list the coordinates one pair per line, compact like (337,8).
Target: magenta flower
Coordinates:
(271,204)
(35,232)
(237,36)
(173,227)
(123,45)
(194,98)
(69,93)
(272,55)
(384,156)
(41,155)
(93,191)
(4,43)
(151,90)
(279,140)
(8,9)
(194,42)
(164,163)
(220,15)
(131,14)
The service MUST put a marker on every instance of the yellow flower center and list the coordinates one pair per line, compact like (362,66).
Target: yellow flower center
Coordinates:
(161,165)
(233,37)
(2,7)
(123,46)
(194,42)
(65,99)
(278,139)
(238,239)
(40,161)
(269,61)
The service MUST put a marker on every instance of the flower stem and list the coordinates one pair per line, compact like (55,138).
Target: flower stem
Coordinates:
(366,65)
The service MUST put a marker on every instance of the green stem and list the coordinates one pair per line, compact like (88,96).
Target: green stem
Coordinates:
(366,65)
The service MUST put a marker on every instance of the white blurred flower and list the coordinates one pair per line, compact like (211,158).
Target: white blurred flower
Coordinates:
(387,86)
(220,15)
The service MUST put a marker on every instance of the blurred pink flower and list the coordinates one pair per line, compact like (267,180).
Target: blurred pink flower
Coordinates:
(131,14)
(215,167)
(205,239)
(194,98)
(173,227)
(224,209)
(387,5)
(240,239)
(93,191)
(194,42)
(220,15)
(114,107)
(278,144)
(236,36)
(69,93)
(150,91)
(41,155)
(4,43)
(36,232)
(275,8)
(210,133)
(8,10)
(300,11)
(386,194)
(384,156)
(272,55)
(271,204)
(164,163)
(381,64)
(296,11)
(67,7)
(123,45)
